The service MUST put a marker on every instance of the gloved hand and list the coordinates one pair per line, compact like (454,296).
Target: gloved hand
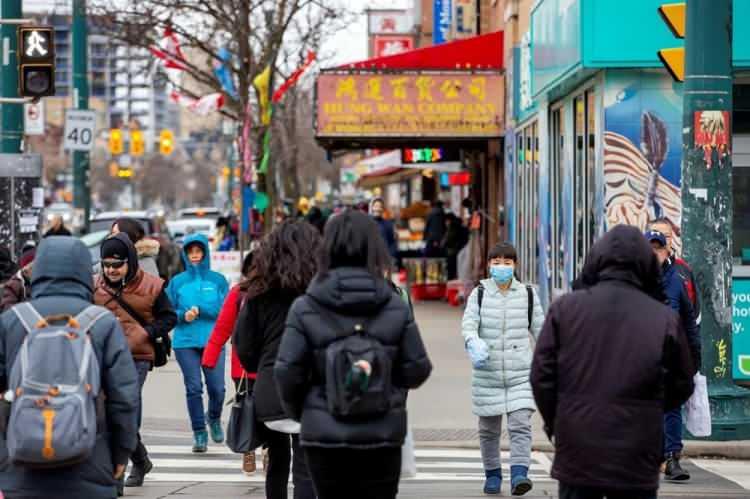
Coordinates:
(479,352)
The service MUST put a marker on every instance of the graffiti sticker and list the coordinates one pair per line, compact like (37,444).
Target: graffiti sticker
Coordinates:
(712,129)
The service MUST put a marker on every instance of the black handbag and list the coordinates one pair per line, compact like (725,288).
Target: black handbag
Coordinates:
(162,344)
(244,432)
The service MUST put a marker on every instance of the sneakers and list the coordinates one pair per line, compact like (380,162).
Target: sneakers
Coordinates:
(217,432)
(248,463)
(493,482)
(672,469)
(138,472)
(519,480)
(200,441)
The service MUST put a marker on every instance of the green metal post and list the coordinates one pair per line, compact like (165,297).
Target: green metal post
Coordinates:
(12,114)
(81,193)
(707,202)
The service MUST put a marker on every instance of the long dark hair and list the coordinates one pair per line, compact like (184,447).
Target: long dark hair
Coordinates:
(132,227)
(283,259)
(353,239)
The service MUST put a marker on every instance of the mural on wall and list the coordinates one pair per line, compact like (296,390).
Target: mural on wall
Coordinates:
(642,151)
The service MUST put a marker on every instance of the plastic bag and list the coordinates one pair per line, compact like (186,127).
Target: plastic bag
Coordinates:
(697,409)
(408,457)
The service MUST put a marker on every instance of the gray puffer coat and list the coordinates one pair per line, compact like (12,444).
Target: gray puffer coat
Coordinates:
(502,384)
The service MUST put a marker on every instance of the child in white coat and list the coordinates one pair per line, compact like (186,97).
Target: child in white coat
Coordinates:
(500,314)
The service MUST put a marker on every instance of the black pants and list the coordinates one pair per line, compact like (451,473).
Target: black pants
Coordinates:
(355,473)
(283,449)
(574,492)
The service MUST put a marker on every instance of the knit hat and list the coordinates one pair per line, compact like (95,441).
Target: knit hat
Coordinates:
(27,257)
(114,248)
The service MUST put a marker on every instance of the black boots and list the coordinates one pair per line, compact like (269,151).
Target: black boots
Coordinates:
(138,472)
(673,471)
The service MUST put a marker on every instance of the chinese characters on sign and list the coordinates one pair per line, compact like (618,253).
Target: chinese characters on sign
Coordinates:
(392,45)
(410,105)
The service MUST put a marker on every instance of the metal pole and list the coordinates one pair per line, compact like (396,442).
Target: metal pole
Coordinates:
(707,202)
(81,188)
(12,114)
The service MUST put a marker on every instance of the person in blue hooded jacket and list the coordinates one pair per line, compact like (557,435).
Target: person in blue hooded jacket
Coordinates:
(197,295)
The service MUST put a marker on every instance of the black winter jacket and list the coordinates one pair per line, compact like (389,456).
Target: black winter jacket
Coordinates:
(610,360)
(348,295)
(256,338)
(63,284)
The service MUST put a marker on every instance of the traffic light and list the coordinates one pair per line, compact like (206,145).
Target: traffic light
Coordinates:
(674,58)
(137,146)
(166,142)
(36,61)
(125,172)
(115,142)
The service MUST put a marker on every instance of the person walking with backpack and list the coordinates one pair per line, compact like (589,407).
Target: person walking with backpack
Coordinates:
(197,295)
(57,325)
(499,315)
(140,303)
(350,353)
(281,272)
(221,334)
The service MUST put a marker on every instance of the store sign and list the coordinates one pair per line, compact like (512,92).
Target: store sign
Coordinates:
(442,15)
(465,18)
(385,45)
(740,333)
(410,105)
(526,101)
(423,155)
(390,22)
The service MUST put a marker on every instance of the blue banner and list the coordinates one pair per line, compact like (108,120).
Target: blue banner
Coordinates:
(741,329)
(442,14)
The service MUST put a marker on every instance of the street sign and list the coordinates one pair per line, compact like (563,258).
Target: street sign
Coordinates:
(674,58)
(80,126)
(33,118)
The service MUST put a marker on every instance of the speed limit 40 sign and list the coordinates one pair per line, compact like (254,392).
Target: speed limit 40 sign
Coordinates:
(79,130)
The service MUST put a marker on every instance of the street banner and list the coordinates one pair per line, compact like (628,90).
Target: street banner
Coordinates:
(419,105)
(740,331)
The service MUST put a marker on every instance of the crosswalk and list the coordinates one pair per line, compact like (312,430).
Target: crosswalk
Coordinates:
(176,463)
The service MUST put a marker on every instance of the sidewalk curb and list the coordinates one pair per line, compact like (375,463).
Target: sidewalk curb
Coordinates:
(738,449)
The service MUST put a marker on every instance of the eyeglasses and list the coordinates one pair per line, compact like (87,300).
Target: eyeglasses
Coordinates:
(113,264)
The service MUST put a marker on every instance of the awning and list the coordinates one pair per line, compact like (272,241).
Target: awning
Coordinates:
(479,52)
(390,175)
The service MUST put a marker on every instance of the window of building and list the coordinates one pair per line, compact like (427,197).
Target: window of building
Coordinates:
(556,235)
(527,201)
(584,176)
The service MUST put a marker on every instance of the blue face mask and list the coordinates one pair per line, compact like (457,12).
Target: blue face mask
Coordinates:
(501,273)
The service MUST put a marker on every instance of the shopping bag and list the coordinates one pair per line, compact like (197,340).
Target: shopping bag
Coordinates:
(244,432)
(408,457)
(697,409)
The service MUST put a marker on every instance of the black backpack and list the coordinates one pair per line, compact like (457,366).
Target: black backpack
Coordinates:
(357,371)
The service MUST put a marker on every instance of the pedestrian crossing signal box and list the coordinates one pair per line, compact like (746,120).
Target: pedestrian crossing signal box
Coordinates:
(36,61)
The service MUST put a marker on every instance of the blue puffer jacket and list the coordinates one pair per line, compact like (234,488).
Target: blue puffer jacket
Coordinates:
(679,301)
(198,286)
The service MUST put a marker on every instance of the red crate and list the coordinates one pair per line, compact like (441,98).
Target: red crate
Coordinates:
(421,292)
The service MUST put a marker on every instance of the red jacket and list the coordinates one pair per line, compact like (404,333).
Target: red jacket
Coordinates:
(222,332)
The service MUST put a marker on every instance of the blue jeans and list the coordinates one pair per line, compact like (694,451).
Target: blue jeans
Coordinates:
(673,431)
(189,360)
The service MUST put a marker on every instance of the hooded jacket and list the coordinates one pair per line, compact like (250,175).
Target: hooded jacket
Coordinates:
(62,284)
(7,266)
(144,293)
(678,299)
(610,360)
(197,286)
(348,295)
(148,251)
(16,290)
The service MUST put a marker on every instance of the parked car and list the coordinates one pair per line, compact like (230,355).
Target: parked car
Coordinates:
(104,220)
(199,212)
(178,229)
(93,241)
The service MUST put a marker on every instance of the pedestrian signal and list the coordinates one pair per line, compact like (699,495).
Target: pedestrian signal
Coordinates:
(674,58)
(166,142)
(36,61)
(115,142)
(137,146)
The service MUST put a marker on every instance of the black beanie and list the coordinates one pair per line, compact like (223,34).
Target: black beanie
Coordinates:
(114,248)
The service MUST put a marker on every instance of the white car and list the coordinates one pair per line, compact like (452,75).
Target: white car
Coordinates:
(178,229)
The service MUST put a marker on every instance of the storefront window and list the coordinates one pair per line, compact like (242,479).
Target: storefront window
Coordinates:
(557,158)
(584,176)
(591,167)
(527,188)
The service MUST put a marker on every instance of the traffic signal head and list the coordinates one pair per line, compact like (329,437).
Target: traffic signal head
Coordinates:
(137,146)
(166,142)
(115,142)
(36,61)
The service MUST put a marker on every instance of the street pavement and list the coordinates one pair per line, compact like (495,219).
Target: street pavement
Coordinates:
(448,460)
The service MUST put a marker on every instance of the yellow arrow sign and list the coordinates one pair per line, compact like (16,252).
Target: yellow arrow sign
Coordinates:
(674,16)
(674,61)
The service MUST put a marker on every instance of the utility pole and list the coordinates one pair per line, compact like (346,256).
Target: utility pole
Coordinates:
(707,202)
(12,114)
(81,162)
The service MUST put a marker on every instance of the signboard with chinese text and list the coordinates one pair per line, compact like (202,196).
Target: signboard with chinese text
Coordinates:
(390,22)
(442,13)
(465,18)
(453,105)
(385,45)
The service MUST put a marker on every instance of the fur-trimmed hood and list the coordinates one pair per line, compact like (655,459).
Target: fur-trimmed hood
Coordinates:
(147,247)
